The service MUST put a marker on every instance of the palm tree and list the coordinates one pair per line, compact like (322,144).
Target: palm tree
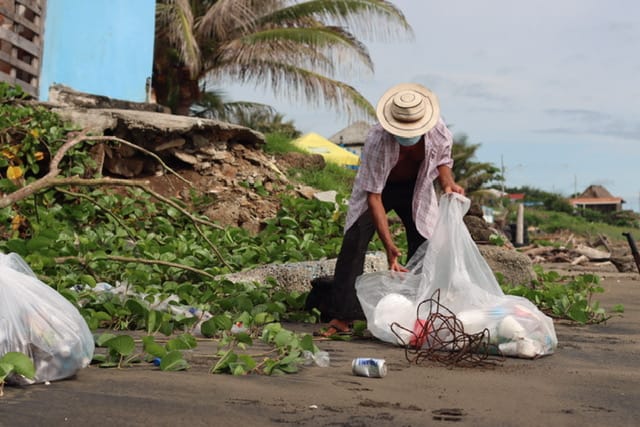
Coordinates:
(293,47)
(472,175)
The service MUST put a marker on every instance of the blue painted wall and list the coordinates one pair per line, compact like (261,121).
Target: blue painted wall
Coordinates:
(102,47)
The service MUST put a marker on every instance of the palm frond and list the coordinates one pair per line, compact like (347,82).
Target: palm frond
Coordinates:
(175,18)
(377,19)
(225,17)
(299,84)
(320,50)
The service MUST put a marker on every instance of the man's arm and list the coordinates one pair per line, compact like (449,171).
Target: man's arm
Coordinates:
(374,200)
(447,182)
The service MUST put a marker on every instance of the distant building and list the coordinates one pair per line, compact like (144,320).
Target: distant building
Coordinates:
(21,29)
(352,137)
(516,197)
(597,197)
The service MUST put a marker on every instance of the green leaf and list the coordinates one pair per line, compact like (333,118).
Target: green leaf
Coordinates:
(152,347)
(182,342)
(99,358)
(39,243)
(262,318)
(209,328)
(243,364)
(122,345)
(243,338)
(22,364)
(578,312)
(223,364)
(103,339)
(109,364)
(238,370)
(288,222)
(173,361)
(282,338)
(618,308)
(152,320)
(306,343)
(88,280)
(136,307)
(18,246)
(5,371)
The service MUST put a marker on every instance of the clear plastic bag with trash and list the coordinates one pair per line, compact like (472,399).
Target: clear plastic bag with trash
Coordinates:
(451,266)
(39,322)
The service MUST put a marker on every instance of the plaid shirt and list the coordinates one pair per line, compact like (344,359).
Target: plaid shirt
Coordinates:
(380,154)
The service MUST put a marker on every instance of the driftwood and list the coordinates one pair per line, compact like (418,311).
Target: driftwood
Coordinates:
(592,253)
(599,255)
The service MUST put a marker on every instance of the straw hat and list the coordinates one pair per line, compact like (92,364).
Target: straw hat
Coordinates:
(408,110)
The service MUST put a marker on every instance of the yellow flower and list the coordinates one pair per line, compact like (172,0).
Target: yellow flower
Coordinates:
(14,172)
(39,155)
(16,222)
(8,154)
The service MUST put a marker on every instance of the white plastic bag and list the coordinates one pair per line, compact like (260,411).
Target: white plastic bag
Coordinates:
(452,267)
(39,322)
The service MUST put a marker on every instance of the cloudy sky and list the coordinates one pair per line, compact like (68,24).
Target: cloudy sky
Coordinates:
(550,89)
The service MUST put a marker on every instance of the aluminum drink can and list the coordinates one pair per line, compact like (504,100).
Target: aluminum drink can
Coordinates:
(369,367)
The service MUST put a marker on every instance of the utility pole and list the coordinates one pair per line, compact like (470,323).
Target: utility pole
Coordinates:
(502,172)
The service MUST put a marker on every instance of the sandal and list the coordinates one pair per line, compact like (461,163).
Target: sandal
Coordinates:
(336,328)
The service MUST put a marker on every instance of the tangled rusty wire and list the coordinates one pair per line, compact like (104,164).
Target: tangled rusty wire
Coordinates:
(440,337)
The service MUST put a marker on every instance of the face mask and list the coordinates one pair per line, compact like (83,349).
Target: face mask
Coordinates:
(407,142)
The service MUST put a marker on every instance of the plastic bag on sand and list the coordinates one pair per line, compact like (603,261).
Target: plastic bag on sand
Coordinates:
(451,265)
(39,322)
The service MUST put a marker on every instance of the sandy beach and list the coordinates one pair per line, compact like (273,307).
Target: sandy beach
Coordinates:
(591,380)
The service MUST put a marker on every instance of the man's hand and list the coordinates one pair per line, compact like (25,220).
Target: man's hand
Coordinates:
(454,188)
(393,253)
(448,184)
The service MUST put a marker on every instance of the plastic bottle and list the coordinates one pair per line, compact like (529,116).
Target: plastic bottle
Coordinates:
(320,358)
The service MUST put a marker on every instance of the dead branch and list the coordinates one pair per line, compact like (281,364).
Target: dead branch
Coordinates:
(85,261)
(137,147)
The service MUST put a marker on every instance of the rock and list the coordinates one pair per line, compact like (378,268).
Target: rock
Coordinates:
(475,210)
(298,276)
(302,161)
(515,267)
(478,228)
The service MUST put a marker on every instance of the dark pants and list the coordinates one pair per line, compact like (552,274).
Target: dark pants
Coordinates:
(396,197)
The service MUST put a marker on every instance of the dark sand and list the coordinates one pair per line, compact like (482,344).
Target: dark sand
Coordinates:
(593,379)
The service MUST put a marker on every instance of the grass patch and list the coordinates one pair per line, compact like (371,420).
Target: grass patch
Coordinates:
(551,222)
(280,144)
(331,177)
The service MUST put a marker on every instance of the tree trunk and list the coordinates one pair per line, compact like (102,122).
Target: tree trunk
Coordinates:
(173,85)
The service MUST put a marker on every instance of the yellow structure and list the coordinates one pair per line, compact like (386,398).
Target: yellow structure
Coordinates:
(316,144)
